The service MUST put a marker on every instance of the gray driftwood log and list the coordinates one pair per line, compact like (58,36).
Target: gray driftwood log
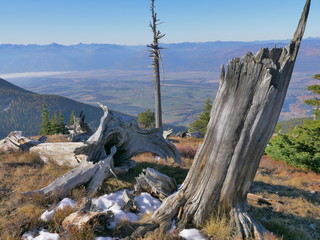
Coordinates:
(108,151)
(243,117)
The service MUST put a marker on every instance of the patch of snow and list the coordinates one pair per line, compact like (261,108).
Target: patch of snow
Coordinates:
(108,201)
(191,234)
(47,236)
(47,215)
(66,202)
(147,203)
(104,238)
(114,202)
(29,235)
(43,235)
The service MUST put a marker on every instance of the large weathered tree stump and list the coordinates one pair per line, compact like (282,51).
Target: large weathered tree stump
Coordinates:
(243,117)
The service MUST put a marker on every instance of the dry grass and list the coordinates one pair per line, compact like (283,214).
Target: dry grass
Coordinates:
(21,172)
(75,233)
(160,235)
(296,214)
(219,227)
(57,219)
(54,138)
(296,192)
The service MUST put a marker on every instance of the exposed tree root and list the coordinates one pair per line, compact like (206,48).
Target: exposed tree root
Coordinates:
(246,225)
(86,172)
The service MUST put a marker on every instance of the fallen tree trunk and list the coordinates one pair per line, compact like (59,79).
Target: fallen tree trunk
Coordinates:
(108,150)
(60,153)
(16,142)
(243,117)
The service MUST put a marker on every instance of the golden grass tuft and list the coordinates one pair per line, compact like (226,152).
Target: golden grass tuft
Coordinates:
(160,235)
(58,217)
(219,227)
(83,233)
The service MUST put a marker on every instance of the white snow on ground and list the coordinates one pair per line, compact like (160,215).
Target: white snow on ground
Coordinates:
(104,238)
(47,215)
(147,203)
(43,235)
(112,202)
(191,234)
(66,202)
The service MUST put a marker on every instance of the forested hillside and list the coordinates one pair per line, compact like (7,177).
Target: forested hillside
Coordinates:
(21,109)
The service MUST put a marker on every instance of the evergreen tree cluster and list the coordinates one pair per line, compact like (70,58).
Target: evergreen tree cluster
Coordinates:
(55,125)
(201,123)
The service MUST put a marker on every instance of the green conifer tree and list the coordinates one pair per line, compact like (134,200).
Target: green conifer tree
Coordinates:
(54,124)
(72,116)
(45,123)
(201,123)
(315,102)
(61,123)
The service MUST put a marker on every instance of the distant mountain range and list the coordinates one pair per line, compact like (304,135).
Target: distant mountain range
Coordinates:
(21,109)
(123,81)
(206,56)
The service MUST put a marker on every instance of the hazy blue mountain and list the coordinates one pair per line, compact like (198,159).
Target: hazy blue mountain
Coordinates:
(206,56)
(21,109)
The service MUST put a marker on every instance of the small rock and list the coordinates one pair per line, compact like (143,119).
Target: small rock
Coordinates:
(312,192)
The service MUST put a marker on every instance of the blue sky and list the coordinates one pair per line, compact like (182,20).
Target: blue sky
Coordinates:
(126,21)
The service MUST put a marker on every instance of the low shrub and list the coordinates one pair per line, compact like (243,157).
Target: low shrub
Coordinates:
(300,148)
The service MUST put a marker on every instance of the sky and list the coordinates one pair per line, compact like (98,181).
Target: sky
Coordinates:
(126,22)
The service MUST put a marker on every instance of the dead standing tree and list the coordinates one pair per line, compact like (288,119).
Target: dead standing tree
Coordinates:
(155,55)
(243,117)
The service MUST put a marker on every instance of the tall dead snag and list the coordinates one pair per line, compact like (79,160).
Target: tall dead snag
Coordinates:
(108,151)
(243,116)
(155,55)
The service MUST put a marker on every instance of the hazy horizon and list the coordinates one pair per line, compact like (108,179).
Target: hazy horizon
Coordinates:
(127,22)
